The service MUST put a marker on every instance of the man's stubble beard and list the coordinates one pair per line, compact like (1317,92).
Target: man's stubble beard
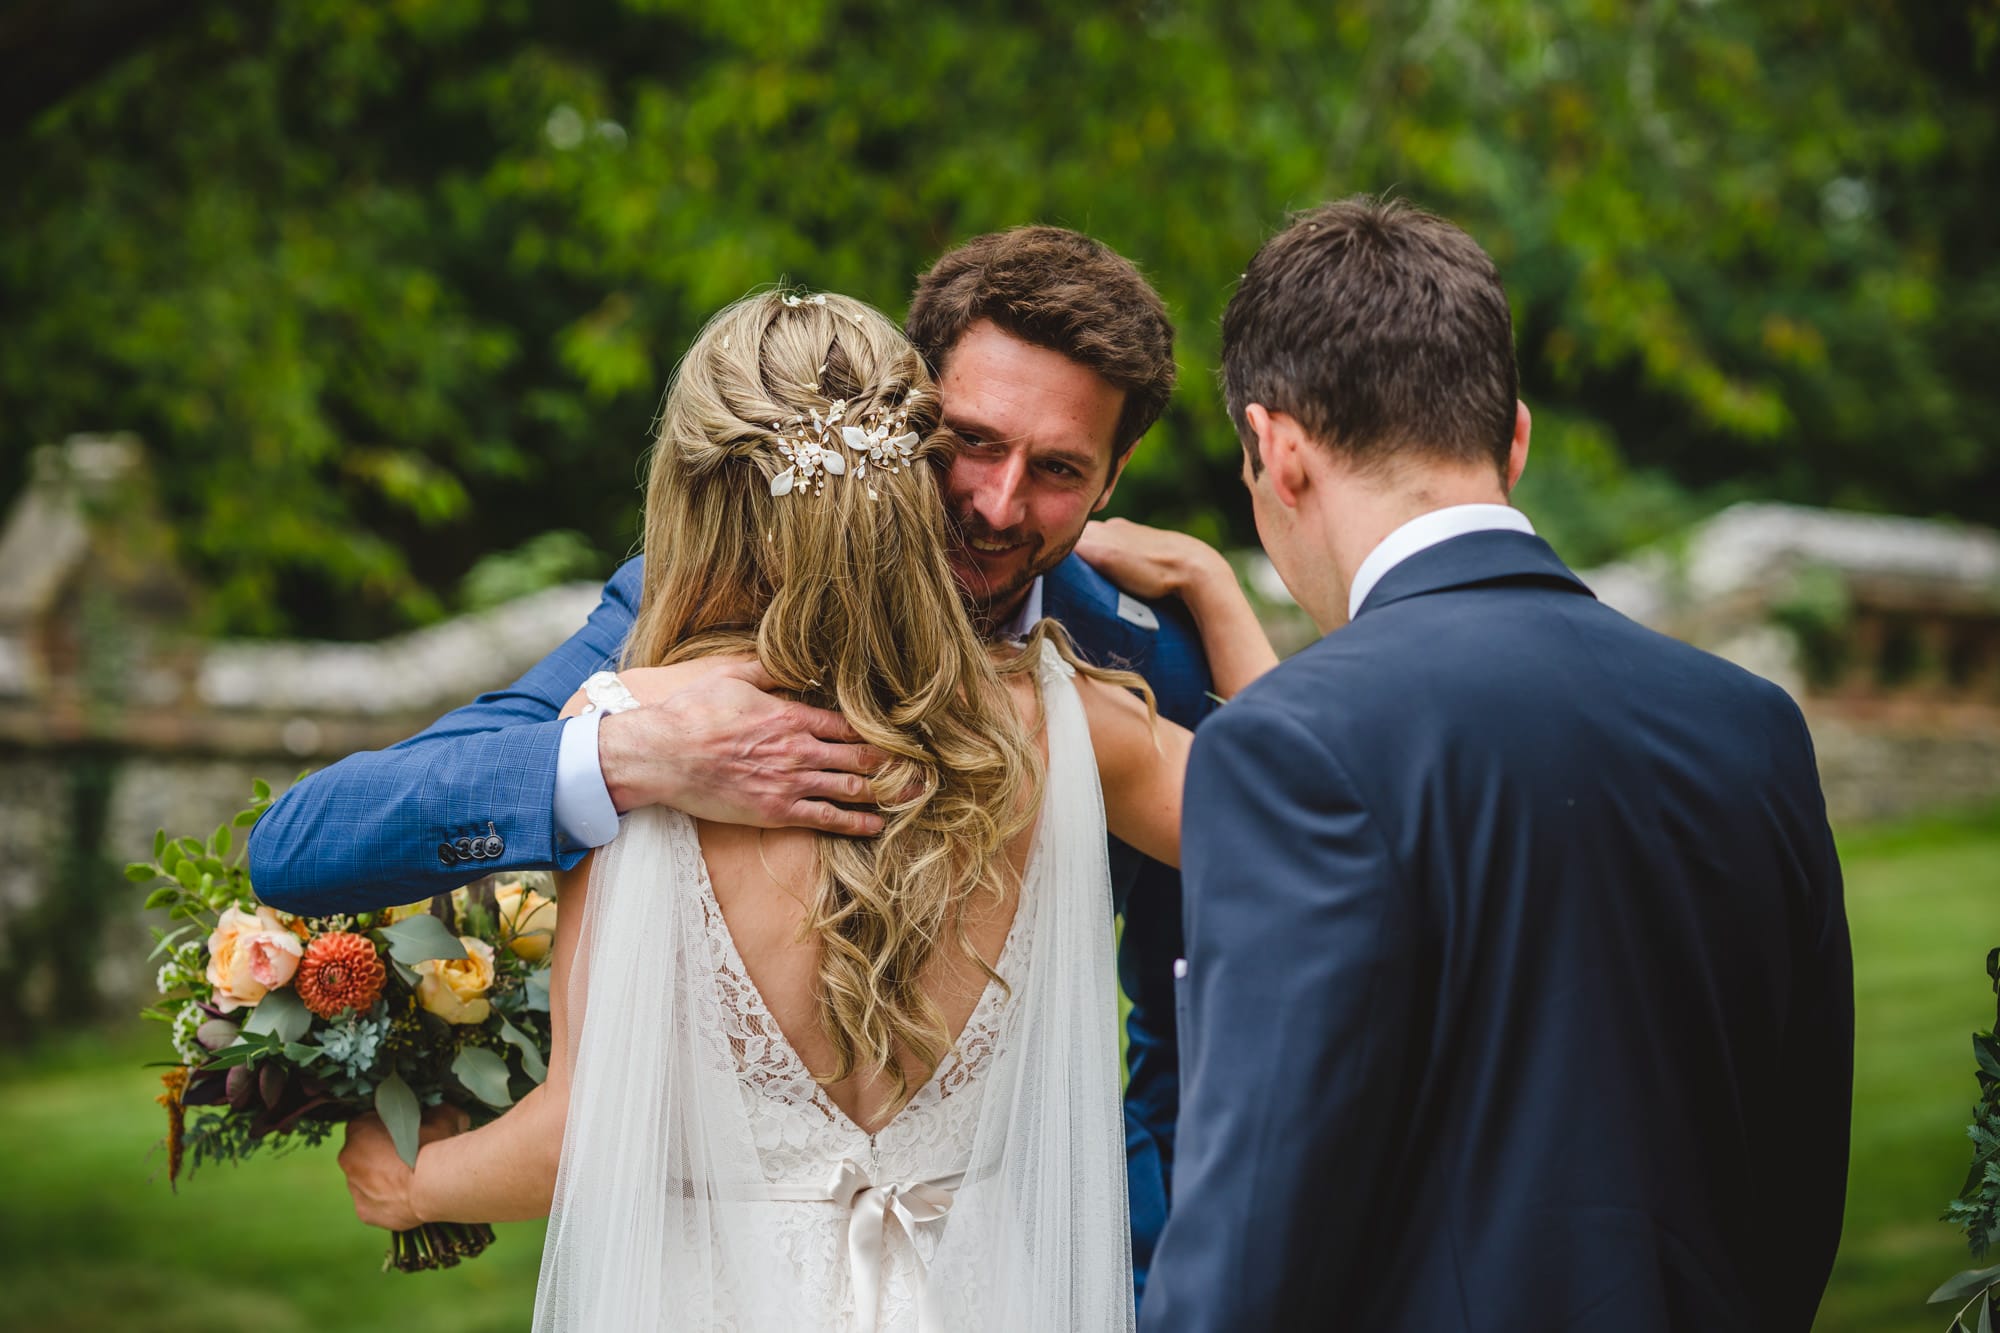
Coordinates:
(995,607)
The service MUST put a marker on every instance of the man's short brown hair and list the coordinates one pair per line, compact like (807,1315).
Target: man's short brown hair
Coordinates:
(1058,289)
(1382,329)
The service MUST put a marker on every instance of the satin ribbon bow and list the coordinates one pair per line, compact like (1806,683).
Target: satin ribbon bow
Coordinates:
(870,1206)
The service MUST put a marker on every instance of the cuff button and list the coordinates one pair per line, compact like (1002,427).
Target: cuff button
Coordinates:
(446,854)
(464,848)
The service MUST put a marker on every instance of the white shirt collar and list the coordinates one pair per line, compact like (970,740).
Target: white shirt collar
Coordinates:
(1427,530)
(1030,612)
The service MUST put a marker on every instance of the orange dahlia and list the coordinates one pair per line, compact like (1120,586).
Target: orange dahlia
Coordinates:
(339,971)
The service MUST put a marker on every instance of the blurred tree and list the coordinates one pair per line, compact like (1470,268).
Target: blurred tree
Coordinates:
(48,48)
(391,286)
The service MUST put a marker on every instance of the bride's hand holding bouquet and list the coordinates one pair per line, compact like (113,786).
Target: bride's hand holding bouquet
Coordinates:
(414,1021)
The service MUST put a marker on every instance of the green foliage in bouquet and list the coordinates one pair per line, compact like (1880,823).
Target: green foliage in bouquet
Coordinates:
(1976,1210)
(286,1027)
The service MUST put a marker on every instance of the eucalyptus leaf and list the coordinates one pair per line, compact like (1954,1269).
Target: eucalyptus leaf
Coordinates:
(419,939)
(532,1063)
(535,992)
(1962,1286)
(280,1013)
(484,1075)
(216,1033)
(407,973)
(397,1106)
(299,1053)
(1986,1313)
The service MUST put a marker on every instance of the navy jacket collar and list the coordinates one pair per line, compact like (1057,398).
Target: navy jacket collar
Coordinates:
(1470,560)
(1086,603)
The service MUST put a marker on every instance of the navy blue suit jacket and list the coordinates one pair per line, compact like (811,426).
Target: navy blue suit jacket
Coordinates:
(1519,993)
(374,829)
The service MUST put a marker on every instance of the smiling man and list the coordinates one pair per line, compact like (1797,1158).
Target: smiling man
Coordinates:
(1030,469)
(1055,356)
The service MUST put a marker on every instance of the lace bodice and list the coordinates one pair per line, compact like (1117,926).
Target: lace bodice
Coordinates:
(803,1139)
(801,1134)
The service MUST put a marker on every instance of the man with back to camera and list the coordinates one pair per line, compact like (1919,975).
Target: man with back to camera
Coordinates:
(1054,357)
(1518,992)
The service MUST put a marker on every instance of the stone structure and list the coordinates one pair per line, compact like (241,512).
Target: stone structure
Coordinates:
(1886,630)
(115,720)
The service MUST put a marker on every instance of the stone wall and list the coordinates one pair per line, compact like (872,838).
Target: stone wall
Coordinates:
(1885,629)
(114,722)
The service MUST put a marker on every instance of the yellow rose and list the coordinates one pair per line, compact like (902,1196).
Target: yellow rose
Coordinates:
(406,911)
(250,956)
(527,921)
(455,988)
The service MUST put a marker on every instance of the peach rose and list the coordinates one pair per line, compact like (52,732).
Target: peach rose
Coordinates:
(527,921)
(250,956)
(455,988)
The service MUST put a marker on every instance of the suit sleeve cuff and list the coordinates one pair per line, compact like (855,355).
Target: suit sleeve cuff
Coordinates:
(584,814)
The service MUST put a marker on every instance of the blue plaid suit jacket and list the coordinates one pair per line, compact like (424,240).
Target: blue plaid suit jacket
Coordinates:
(372,829)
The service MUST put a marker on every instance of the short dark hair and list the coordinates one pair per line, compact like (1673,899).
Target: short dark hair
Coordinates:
(1382,329)
(1058,289)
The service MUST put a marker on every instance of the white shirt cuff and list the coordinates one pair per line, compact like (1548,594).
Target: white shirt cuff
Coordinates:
(584,814)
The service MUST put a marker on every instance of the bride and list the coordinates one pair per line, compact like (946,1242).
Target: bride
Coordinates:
(807,1082)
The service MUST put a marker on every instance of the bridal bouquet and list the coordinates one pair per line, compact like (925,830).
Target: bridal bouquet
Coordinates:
(286,1027)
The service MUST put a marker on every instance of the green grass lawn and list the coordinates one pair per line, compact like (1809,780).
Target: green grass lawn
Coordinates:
(1923,901)
(92,1240)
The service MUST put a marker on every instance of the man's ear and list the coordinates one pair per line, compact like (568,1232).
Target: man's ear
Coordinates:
(1517,452)
(1282,444)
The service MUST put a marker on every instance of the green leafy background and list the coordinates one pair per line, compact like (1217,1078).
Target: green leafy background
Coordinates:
(391,289)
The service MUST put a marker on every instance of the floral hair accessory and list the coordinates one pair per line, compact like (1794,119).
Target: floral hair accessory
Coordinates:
(819,448)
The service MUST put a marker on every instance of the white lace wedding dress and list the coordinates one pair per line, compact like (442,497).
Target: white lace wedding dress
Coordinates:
(707,1182)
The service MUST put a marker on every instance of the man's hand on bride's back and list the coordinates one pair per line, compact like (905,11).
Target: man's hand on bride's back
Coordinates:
(709,741)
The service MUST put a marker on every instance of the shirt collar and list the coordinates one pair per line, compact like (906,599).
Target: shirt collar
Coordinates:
(1422,532)
(1030,613)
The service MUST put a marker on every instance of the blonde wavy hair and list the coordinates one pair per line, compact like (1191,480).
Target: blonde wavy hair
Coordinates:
(846,597)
